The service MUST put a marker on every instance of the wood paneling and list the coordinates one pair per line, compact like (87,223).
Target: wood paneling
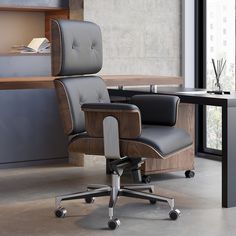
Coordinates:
(76,9)
(53,10)
(18,28)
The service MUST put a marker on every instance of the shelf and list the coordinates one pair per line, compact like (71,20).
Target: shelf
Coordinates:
(30,5)
(31,9)
(49,9)
(24,54)
(26,82)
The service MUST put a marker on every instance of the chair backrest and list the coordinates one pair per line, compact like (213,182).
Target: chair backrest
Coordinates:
(76,51)
(76,47)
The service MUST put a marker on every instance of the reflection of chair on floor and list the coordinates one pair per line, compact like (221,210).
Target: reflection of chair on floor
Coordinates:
(99,127)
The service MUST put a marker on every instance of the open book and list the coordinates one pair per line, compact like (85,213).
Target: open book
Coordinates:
(37,45)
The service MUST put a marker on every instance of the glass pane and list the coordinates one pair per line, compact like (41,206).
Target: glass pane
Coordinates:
(220,45)
(213,128)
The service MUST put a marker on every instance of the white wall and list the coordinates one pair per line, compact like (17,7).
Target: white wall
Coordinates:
(188,43)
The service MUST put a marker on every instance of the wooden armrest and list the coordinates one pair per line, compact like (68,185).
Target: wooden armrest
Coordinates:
(127,115)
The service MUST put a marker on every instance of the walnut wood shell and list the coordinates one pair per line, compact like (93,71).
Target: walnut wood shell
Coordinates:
(64,107)
(129,122)
(56,49)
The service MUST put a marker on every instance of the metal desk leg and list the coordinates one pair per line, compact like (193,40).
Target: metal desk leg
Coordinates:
(229,156)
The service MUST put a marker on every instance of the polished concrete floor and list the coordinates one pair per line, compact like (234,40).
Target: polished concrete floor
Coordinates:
(27,203)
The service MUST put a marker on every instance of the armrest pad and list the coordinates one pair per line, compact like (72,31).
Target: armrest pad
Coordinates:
(127,115)
(108,107)
(157,109)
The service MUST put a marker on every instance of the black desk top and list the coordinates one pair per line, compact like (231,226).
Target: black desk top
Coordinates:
(186,95)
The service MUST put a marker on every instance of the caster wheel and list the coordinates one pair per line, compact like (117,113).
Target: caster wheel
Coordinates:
(60,212)
(174,214)
(153,202)
(89,200)
(146,179)
(113,224)
(189,174)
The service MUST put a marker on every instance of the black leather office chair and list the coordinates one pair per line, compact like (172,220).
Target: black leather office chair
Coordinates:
(113,130)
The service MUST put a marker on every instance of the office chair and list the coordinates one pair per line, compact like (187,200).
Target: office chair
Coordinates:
(113,130)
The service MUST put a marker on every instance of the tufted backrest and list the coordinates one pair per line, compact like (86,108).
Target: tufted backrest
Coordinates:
(72,93)
(76,47)
(77,51)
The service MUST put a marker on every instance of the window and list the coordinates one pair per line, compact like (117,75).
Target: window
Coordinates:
(224,47)
(214,39)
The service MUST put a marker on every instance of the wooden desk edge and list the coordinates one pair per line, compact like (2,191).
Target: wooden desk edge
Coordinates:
(133,80)
(110,80)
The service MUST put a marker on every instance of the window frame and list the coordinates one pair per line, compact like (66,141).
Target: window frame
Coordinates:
(200,81)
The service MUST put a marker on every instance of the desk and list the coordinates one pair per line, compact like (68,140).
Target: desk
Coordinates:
(228,104)
(38,82)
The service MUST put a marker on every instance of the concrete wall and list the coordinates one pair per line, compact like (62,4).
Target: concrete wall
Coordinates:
(140,36)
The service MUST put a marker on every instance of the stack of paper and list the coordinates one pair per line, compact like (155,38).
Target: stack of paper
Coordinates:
(37,45)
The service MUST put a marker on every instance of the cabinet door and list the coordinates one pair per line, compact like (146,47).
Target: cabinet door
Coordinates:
(25,65)
(30,126)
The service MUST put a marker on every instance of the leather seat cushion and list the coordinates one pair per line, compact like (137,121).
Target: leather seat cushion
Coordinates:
(165,139)
(154,142)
